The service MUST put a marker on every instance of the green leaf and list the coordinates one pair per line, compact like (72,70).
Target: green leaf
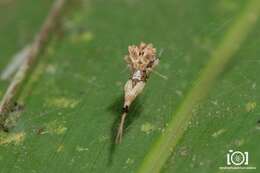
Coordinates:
(208,104)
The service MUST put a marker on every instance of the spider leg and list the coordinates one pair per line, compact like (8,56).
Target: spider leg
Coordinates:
(121,129)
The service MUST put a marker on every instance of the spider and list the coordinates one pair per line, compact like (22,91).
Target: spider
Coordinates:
(141,60)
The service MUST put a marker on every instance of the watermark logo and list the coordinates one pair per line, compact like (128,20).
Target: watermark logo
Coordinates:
(237,160)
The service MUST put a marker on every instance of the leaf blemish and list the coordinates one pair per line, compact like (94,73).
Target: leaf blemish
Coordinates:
(12,138)
(239,142)
(55,127)
(129,161)
(82,37)
(147,128)
(250,106)
(80,149)
(218,133)
(51,69)
(60,148)
(62,102)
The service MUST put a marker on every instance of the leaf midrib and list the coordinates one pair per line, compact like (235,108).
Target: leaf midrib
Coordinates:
(166,142)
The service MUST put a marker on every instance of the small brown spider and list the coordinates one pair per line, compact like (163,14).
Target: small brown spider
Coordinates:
(141,60)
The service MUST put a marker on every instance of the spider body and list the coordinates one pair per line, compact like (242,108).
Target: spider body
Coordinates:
(141,60)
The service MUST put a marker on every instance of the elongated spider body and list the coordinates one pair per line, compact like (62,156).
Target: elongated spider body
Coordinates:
(141,60)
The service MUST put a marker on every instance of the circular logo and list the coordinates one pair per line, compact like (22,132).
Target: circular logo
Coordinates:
(237,158)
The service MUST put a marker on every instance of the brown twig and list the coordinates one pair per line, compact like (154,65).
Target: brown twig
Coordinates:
(36,47)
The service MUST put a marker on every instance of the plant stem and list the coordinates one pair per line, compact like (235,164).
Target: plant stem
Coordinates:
(33,53)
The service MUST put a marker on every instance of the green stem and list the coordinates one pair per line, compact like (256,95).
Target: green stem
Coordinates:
(168,140)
